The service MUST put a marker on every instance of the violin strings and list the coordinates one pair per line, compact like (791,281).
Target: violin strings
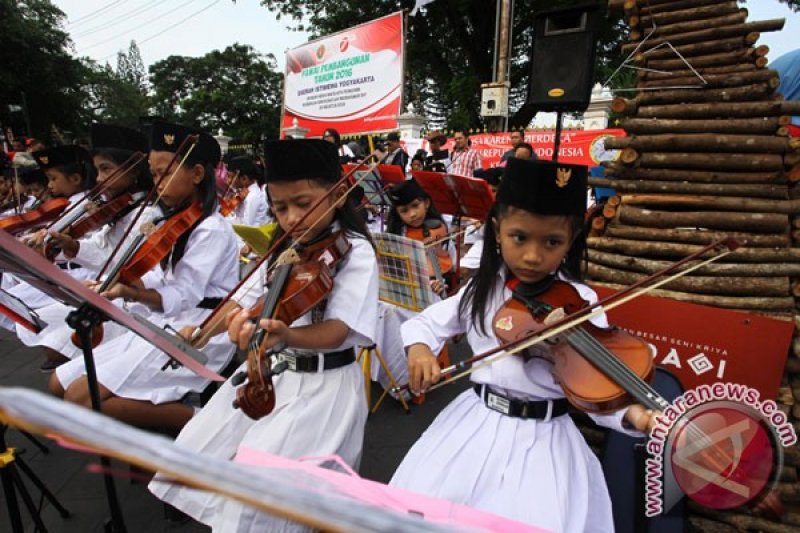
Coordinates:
(536,339)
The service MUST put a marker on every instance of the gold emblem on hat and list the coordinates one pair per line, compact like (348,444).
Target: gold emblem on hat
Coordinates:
(45,160)
(563,176)
(169,139)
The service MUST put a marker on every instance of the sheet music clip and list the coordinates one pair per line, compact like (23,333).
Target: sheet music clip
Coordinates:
(16,310)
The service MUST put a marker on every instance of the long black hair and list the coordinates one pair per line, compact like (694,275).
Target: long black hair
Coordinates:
(84,169)
(348,218)
(480,288)
(394,224)
(208,200)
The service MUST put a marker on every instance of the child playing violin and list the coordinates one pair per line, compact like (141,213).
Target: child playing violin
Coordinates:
(506,446)
(414,216)
(137,384)
(112,147)
(69,173)
(319,401)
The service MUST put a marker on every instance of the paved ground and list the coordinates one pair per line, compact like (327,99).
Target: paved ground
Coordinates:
(390,432)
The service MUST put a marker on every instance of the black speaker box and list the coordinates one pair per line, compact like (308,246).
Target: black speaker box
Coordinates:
(562,59)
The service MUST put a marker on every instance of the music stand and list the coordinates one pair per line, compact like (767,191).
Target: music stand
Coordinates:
(90,310)
(459,196)
(16,310)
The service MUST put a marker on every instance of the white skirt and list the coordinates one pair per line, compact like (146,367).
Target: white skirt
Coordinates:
(131,367)
(540,473)
(316,414)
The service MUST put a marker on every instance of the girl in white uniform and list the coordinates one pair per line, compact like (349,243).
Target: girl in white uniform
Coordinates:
(252,209)
(480,451)
(137,385)
(69,174)
(320,408)
(112,146)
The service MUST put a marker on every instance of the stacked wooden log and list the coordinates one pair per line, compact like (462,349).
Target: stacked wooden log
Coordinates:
(707,155)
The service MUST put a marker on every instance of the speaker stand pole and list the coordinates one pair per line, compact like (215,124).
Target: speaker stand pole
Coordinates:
(557,140)
(83,320)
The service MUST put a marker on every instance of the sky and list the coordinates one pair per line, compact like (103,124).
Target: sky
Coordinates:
(100,28)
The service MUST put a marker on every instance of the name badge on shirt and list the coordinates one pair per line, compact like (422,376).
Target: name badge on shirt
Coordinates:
(497,403)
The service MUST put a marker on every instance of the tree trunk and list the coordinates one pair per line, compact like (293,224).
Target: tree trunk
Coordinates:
(711,161)
(755,55)
(709,110)
(756,222)
(757,91)
(649,126)
(689,13)
(739,303)
(659,6)
(714,203)
(699,49)
(705,142)
(679,250)
(737,79)
(723,286)
(685,73)
(676,187)
(690,26)
(693,236)
(709,33)
(695,176)
(746,270)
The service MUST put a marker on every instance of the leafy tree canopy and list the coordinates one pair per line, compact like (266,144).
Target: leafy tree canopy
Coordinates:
(236,89)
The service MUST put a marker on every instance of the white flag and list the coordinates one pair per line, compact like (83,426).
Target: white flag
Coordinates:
(418,4)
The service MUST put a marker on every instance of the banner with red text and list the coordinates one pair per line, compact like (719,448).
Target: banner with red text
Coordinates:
(578,147)
(351,81)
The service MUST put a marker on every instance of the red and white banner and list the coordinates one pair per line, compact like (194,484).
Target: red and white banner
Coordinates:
(351,81)
(578,147)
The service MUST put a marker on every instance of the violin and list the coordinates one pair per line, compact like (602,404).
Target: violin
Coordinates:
(160,243)
(295,289)
(106,213)
(605,369)
(35,218)
(228,205)
(599,369)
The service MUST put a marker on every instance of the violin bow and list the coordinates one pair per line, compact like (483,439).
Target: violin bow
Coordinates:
(575,319)
(95,191)
(188,139)
(212,319)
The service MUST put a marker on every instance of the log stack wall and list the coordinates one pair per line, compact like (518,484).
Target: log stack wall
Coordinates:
(707,154)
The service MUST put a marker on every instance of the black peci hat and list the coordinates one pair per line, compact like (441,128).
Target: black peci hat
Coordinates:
(166,137)
(118,137)
(61,155)
(244,165)
(299,159)
(544,187)
(406,192)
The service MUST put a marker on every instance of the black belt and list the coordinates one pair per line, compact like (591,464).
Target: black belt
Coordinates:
(516,408)
(209,303)
(310,362)
(69,266)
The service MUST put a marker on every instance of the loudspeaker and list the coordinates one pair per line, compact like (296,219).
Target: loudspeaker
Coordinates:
(562,58)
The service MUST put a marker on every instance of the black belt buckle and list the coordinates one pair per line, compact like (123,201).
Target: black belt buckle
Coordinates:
(306,362)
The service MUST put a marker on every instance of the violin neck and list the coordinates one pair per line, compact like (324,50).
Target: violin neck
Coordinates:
(279,279)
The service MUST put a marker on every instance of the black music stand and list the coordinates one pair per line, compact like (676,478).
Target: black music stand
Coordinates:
(91,309)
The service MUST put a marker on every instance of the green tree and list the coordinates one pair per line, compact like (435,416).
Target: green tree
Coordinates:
(236,89)
(450,48)
(110,96)
(36,61)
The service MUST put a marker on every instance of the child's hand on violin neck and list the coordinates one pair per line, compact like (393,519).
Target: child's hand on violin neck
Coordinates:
(241,328)
(641,418)
(423,368)
(438,287)
(67,244)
